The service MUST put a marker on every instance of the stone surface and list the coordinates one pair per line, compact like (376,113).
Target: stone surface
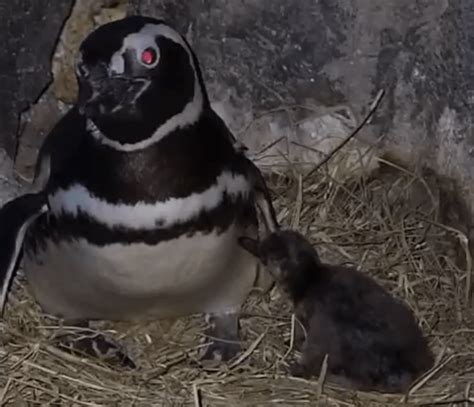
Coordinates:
(290,78)
(57,98)
(85,16)
(10,185)
(286,63)
(29,30)
(36,123)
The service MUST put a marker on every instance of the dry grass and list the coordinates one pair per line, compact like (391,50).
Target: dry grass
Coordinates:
(389,224)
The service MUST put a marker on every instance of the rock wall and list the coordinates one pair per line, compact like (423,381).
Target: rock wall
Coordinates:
(290,78)
(310,68)
(28,33)
(36,122)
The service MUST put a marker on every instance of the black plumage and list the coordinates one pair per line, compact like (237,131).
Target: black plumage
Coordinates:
(143,142)
(372,340)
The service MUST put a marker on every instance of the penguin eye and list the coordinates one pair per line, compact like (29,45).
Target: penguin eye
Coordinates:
(149,57)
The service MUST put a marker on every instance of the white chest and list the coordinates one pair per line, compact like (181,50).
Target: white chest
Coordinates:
(201,273)
(187,274)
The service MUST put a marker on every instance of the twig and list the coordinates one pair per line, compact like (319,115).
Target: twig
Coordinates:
(197,396)
(467,393)
(450,402)
(373,108)
(269,146)
(322,377)
(3,395)
(292,338)
(295,223)
(429,375)
(464,241)
(73,401)
(412,174)
(248,352)
(70,358)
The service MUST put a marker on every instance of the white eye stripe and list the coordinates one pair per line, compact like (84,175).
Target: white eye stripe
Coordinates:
(137,42)
(144,39)
(117,63)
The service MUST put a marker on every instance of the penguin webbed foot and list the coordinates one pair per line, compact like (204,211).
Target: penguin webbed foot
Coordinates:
(97,345)
(224,334)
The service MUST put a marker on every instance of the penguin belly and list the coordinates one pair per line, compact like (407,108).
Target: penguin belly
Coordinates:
(202,272)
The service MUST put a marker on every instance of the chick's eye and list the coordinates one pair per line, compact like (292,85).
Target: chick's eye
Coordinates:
(149,56)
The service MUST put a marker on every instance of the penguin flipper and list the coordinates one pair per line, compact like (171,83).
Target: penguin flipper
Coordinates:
(263,196)
(58,147)
(15,218)
(260,188)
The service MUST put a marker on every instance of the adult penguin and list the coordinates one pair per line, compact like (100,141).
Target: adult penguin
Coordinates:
(143,194)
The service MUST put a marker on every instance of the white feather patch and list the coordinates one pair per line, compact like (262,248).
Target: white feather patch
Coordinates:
(187,275)
(148,216)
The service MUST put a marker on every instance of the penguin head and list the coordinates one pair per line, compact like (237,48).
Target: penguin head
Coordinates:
(136,75)
(289,257)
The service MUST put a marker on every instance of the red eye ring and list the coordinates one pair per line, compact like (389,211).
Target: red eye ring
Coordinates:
(149,56)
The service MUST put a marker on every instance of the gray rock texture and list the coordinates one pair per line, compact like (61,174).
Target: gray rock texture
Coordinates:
(28,34)
(306,70)
(10,186)
(39,119)
(293,75)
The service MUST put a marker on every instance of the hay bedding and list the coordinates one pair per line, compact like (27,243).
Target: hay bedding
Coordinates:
(388,223)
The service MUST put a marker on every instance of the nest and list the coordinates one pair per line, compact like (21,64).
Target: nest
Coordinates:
(389,224)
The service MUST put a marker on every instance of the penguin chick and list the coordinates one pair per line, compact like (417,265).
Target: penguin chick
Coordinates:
(372,340)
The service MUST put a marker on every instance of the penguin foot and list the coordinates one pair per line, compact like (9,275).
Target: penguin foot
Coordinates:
(96,345)
(224,334)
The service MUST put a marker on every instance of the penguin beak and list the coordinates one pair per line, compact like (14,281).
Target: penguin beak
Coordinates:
(101,94)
